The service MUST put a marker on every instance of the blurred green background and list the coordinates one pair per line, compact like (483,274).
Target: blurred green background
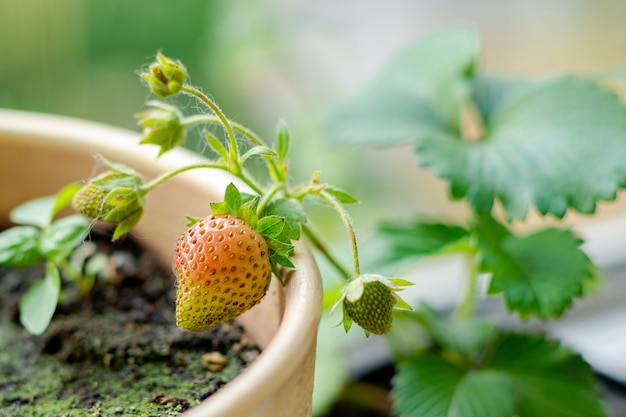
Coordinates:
(268,59)
(263,60)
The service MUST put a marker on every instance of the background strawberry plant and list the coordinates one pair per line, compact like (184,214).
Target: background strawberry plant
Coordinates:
(506,147)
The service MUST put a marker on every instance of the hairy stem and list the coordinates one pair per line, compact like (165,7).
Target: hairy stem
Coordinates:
(211,119)
(232,142)
(230,127)
(267,197)
(345,218)
(168,175)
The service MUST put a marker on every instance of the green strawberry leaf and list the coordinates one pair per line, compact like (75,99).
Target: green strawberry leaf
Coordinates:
(232,197)
(247,211)
(19,246)
(294,216)
(276,261)
(64,197)
(538,274)
(63,237)
(281,260)
(38,212)
(537,141)
(221,207)
(280,247)
(271,226)
(289,209)
(520,160)
(131,208)
(129,221)
(121,196)
(418,95)
(282,141)
(492,91)
(216,145)
(192,220)
(466,336)
(342,196)
(40,301)
(427,385)
(263,151)
(119,168)
(549,379)
(411,241)
(519,374)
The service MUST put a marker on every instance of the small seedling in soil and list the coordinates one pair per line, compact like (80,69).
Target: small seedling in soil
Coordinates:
(60,244)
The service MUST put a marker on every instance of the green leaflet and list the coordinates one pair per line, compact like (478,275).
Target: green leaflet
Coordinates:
(411,241)
(519,374)
(538,274)
(39,303)
(554,143)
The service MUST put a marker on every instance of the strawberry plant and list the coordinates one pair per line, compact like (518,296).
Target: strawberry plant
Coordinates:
(224,262)
(505,146)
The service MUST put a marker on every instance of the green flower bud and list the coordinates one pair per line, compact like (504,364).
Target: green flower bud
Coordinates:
(161,126)
(369,299)
(166,76)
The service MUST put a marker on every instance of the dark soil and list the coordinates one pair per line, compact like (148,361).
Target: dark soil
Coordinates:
(118,352)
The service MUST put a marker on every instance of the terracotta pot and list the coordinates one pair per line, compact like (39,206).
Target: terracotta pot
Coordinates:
(40,153)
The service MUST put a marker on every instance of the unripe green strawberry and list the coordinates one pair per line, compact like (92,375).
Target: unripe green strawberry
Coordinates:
(222,268)
(90,200)
(373,310)
(369,299)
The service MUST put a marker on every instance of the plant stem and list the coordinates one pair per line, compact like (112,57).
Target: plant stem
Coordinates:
(207,118)
(345,218)
(166,176)
(472,126)
(317,242)
(466,307)
(232,142)
(267,197)
(146,188)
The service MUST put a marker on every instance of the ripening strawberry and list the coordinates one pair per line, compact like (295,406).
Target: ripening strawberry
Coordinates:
(222,268)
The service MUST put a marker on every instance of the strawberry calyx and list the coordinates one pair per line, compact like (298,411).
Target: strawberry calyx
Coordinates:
(278,221)
(162,125)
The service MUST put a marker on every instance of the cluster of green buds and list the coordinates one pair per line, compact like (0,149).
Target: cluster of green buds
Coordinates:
(116,195)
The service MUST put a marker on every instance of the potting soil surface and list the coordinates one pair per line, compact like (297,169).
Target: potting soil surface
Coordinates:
(117,352)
